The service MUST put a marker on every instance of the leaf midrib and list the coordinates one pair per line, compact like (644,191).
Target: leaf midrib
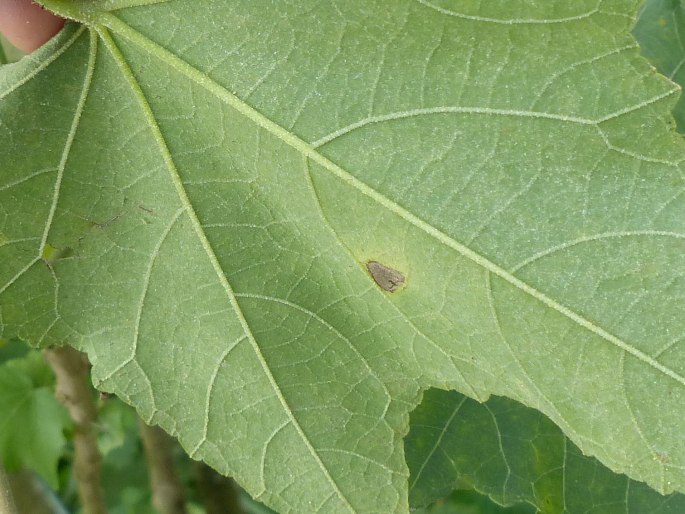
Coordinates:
(209,251)
(197,76)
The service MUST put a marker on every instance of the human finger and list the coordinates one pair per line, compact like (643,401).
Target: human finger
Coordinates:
(27,25)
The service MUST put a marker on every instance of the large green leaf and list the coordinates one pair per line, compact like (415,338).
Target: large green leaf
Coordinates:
(192,192)
(515,455)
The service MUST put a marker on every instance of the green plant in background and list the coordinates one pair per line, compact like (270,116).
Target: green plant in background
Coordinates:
(197,197)
(33,423)
(660,32)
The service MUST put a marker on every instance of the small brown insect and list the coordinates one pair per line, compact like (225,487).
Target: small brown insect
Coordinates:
(387,279)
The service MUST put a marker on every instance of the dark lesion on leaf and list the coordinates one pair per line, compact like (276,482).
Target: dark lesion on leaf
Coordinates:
(387,278)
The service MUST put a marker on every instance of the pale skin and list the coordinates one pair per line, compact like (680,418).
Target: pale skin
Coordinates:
(27,25)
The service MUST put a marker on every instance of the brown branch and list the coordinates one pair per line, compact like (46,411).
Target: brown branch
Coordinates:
(219,493)
(167,490)
(7,505)
(74,392)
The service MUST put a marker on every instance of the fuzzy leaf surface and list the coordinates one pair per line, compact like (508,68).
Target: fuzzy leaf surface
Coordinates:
(192,192)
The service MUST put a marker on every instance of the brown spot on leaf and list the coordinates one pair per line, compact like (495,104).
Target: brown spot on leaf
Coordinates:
(387,278)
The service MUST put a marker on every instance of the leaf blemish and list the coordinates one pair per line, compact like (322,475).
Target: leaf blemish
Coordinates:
(52,254)
(387,278)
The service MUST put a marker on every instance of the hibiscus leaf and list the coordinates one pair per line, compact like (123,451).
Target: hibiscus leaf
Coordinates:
(195,194)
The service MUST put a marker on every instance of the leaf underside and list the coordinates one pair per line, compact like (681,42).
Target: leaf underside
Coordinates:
(191,193)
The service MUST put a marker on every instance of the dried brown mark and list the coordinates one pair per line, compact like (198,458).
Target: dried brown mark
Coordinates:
(387,278)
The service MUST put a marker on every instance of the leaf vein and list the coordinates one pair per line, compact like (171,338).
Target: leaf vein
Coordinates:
(592,238)
(144,290)
(560,420)
(20,181)
(334,331)
(92,52)
(210,390)
(211,255)
(447,109)
(515,21)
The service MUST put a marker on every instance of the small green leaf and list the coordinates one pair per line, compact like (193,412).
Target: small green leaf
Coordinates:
(32,423)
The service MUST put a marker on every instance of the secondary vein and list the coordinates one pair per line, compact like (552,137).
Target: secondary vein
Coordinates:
(70,138)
